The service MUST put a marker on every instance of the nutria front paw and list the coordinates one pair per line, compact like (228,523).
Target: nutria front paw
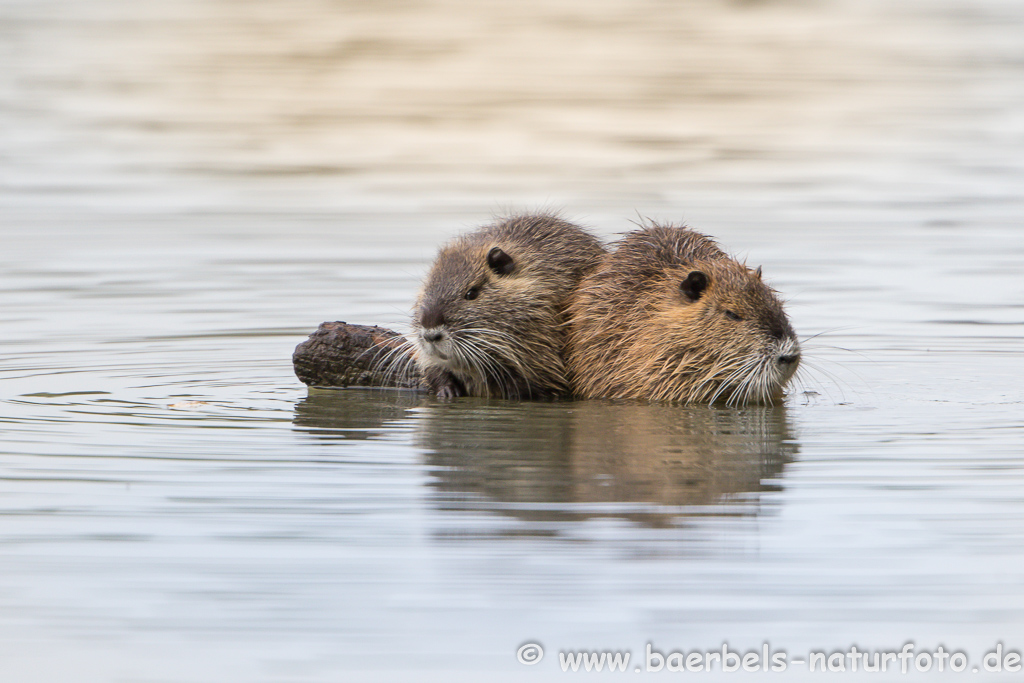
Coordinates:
(445,385)
(449,391)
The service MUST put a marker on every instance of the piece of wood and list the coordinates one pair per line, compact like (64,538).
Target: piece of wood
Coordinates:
(343,355)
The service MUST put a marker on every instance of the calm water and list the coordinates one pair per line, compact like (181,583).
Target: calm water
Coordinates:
(187,189)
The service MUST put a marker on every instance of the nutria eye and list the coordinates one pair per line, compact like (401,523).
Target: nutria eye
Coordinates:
(500,262)
(694,285)
(473,293)
(732,316)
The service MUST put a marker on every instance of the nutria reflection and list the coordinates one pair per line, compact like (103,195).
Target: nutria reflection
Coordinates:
(552,461)
(576,460)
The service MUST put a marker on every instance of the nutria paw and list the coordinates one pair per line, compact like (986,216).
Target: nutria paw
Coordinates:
(448,392)
(444,384)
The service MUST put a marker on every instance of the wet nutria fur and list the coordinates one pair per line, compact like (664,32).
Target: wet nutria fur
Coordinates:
(489,320)
(669,316)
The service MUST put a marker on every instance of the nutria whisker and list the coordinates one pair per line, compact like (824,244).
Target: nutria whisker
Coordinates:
(408,362)
(815,336)
(803,342)
(807,372)
(496,333)
(500,359)
(501,372)
(395,360)
(479,335)
(462,358)
(831,330)
(804,374)
(706,384)
(741,372)
(813,366)
(801,378)
(758,381)
(742,391)
(710,377)
(829,347)
(484,365)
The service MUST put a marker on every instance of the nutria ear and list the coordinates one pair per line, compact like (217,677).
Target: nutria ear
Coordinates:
(694,285)
(757,272)
(500,262)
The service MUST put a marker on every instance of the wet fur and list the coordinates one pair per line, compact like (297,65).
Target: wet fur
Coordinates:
(634,334)
(508,342)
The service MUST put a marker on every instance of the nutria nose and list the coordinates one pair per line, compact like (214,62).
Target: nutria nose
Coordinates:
(432,317)
(789,358)
(433,336)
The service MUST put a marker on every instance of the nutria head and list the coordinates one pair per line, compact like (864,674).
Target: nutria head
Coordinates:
(669,316)
(490,315)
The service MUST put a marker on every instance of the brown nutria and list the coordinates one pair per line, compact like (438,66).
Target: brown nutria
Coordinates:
(489,320)
(669,316)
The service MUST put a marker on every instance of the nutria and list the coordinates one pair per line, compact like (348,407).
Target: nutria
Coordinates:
(489,320)
(669,316)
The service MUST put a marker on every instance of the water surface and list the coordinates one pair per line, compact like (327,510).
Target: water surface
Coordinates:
(187,189)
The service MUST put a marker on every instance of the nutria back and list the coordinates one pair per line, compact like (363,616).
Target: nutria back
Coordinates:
(670,316)
(489,320)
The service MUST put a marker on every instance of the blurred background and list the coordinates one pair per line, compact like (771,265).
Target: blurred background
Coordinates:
(188,187)
(523,101)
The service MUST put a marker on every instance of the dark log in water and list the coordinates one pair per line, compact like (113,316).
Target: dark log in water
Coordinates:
(343,355)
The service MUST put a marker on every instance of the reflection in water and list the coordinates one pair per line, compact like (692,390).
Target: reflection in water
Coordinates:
(357,414)
(648,463)
(574,460)
(677,456)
